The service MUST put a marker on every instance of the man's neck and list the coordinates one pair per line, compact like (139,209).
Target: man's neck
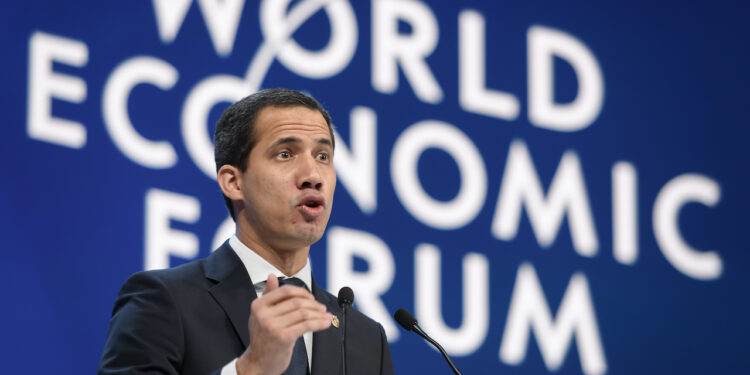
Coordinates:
(288,261)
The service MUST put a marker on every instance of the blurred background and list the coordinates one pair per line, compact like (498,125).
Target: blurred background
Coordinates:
(550,187)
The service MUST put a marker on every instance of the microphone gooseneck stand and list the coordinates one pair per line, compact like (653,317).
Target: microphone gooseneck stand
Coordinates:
(346,298)
(409,323)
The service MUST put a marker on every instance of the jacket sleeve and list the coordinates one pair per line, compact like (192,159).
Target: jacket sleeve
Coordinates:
(145,333)
(386,364)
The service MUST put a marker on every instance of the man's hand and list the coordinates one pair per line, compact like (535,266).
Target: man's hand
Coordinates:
(277,320)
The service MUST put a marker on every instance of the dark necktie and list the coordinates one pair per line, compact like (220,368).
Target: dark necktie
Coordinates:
(298,364)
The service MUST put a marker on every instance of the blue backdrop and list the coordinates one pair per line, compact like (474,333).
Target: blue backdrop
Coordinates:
(549,186)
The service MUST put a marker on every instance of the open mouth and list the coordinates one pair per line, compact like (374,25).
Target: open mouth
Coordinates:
(312,202)
(311,206)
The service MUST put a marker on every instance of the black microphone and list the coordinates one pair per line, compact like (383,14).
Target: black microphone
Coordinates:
(346,298)
(406,320)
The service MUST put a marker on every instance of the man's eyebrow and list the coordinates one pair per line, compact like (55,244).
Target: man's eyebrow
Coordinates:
(285,140)
(294,140)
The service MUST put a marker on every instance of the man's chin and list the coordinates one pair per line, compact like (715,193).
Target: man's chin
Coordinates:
(309,234)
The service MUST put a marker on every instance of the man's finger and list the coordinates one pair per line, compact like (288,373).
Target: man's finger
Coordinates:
(311,325)
(272,297)
(292,327)
(293,304)
(272,283)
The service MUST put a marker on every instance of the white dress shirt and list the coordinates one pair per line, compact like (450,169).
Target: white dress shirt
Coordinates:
(259,269)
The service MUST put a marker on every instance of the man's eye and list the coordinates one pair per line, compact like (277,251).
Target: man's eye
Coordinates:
(284,155)
(323,156)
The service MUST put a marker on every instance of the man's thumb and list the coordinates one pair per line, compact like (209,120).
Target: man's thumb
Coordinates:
(272,283)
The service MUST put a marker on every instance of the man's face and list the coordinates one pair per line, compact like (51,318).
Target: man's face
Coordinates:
(289,182)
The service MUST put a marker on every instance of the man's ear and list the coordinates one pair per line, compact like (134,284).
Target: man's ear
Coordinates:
(230,181)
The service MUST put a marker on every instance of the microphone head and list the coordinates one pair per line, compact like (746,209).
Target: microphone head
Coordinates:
(346,296)
(405,319)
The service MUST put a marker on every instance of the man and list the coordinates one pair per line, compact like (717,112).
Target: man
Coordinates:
(227,314)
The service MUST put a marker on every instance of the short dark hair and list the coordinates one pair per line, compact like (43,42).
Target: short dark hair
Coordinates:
(234,137)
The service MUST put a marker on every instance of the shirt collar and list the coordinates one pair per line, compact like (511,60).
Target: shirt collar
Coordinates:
(259,268)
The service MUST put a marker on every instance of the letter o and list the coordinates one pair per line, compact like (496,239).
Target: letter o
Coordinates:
(198,104)
(406,152)
(332,59)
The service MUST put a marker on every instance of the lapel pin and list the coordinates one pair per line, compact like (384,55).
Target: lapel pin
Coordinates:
(335,321)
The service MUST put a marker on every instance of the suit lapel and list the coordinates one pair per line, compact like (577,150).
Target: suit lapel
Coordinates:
(234,293)
(326,358)
(233,290)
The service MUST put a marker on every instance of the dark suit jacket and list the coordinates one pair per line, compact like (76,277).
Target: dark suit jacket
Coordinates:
(193,319)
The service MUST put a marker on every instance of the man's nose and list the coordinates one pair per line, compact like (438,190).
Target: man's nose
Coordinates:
(308,174)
